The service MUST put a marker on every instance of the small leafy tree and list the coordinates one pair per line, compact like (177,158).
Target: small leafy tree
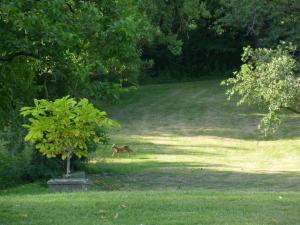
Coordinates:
(268,77)
(64,127)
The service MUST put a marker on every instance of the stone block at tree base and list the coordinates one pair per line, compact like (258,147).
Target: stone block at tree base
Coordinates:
(69,185)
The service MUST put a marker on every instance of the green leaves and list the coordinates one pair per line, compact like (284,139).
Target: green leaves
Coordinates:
(266,21)
(56,127)
(53,48)
(269,77)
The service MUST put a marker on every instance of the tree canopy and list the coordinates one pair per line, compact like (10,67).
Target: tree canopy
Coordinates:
(52,48)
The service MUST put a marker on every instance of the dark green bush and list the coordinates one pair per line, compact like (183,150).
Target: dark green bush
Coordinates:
(42,167)
(13,165)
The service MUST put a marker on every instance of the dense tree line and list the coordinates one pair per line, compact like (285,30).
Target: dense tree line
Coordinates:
(99,49)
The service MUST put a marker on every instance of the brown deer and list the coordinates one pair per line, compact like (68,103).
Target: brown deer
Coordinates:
(119,150)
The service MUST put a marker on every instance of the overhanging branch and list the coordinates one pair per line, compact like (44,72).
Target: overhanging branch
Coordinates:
(292,110)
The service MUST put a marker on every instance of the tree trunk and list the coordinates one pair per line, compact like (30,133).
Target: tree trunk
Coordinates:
(69,156)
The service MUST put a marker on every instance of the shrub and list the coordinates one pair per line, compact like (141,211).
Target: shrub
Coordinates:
(13,166)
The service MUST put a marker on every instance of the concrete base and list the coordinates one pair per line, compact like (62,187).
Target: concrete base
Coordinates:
(69,185)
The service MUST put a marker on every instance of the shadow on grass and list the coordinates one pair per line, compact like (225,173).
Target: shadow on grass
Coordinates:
(154,175)
(160,176)
(35,188)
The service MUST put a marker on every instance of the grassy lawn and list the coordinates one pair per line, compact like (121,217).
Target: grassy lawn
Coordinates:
(159,207)
(198,160)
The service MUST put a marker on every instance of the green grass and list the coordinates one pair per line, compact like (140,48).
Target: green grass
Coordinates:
(151,208)
(198,160)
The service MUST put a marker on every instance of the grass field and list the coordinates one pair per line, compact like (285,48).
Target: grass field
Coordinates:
(198,160)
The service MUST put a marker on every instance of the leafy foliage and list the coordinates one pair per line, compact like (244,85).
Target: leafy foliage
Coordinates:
(269,77)
(267,22)
(188,46)
(53,48)
(58,127)
(173,19)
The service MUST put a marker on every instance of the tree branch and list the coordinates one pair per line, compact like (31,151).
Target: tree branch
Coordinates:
(70,7)
(292,110)
(12,56)
(251,27)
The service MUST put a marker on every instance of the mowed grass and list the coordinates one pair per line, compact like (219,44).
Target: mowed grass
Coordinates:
(151,208)
(198,160)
